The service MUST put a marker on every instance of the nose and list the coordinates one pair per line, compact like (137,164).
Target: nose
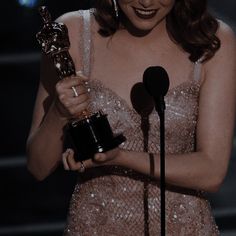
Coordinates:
(145,3)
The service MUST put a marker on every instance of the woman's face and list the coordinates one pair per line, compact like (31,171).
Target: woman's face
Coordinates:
(144,15)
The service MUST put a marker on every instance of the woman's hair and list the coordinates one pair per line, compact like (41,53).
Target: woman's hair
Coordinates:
(189,25)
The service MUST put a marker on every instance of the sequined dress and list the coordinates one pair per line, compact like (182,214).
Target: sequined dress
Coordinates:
(115,201)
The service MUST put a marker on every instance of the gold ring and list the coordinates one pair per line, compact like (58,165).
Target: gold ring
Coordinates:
(75,92)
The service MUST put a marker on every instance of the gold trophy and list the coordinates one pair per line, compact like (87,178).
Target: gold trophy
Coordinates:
(91,133)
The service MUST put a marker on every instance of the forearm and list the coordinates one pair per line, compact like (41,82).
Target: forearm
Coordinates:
(190,170)
(45,145)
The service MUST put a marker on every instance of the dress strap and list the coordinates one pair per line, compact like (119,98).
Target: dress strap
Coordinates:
(86,42)
(197,70)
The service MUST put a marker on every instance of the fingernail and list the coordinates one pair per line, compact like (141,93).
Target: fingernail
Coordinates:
(68,151)
(79,73)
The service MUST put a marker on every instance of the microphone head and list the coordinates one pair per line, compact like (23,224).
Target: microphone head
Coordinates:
(141,101)
(156,81)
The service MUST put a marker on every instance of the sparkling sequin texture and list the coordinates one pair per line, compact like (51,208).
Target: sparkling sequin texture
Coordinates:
(109,200)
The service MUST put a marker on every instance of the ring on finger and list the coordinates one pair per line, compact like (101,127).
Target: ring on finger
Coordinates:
(82,167)
(75,92)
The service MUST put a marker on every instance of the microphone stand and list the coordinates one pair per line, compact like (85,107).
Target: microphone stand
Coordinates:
(158,89)
(145,130)
(161,112)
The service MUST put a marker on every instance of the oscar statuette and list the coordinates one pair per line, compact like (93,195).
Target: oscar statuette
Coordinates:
(91,132)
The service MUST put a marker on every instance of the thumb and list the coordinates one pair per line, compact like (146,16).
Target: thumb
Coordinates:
(99,157)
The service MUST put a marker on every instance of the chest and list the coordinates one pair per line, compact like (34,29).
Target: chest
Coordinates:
(119,66)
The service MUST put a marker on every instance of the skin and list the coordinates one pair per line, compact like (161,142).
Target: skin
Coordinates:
(139,26)
(203,169)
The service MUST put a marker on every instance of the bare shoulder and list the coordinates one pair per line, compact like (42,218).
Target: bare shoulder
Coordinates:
(227,38)
(220,70)
(69,17)
(227,51)
(225,32)
(74,22)
(73,17)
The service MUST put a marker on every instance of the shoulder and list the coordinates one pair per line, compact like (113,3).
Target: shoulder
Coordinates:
(227,39)
(225,33)
(220,70)
(75,21)
(75,16)
(227,50)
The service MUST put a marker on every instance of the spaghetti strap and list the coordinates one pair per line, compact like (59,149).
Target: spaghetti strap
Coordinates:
(197,71)
(86,42)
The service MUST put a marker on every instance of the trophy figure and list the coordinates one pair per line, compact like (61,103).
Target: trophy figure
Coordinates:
(91,133)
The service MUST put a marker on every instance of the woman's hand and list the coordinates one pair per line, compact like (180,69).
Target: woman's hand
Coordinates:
(99,159)
(71,96)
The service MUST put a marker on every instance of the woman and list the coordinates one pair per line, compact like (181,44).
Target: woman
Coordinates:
(126,37)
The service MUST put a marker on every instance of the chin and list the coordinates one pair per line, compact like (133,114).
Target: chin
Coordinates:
(143,27)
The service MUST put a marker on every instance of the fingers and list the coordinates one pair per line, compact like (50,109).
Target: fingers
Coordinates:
(67,153)
(72,96)
(75,105)
(100,159)
(73,165)
(65,85)
(69,162)
(79,80)
(107,157)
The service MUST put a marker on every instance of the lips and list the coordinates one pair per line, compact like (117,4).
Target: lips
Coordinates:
(144,13)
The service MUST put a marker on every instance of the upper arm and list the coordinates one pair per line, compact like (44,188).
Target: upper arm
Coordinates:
(217,102)
(45,94)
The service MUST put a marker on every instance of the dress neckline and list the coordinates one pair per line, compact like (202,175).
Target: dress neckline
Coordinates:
(171,91)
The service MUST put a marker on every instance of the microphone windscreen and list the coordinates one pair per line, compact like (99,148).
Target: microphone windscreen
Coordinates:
(156,81)
(141,101)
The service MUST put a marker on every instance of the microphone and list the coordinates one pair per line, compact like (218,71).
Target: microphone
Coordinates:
(142,102)
(156,81)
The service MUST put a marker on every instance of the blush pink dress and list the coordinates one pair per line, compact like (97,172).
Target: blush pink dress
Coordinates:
(115,201)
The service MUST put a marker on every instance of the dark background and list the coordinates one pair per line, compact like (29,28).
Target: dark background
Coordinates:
(28,207)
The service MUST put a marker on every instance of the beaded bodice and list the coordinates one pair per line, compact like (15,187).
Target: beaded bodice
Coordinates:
(179,117)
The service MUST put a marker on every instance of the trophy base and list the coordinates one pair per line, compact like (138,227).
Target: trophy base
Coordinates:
(93,135)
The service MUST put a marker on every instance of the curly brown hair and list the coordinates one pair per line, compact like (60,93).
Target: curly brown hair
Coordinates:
(189,25)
